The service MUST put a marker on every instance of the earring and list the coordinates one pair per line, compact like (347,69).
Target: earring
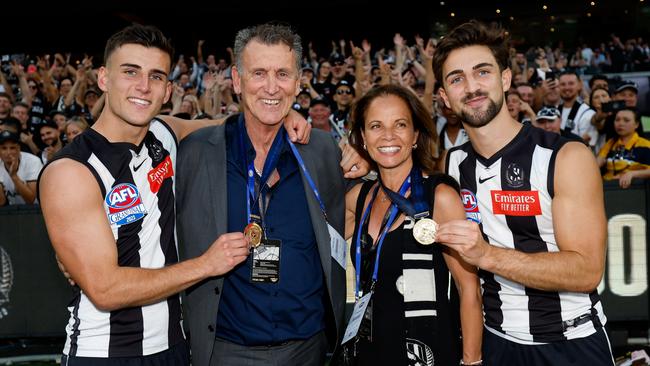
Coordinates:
(415,146)
(364,147)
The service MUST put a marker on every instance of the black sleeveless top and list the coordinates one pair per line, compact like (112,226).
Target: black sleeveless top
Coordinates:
(398,339)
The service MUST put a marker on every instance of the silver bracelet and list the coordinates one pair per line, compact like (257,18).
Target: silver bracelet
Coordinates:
(474,363)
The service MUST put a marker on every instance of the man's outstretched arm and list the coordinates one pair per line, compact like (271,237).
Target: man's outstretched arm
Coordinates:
(579,224)
(83,241)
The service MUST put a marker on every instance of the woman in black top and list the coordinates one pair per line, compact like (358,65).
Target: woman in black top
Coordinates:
(411,320)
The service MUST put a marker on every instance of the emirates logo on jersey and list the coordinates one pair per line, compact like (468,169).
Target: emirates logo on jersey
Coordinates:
(516,203)
(157,175)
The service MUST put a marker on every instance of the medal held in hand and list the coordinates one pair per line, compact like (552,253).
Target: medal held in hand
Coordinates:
(424,231)
(254,233)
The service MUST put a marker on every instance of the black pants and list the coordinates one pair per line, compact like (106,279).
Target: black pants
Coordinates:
(308,352)
(178,355)
(593,351)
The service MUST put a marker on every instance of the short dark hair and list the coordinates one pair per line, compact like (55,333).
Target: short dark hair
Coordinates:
(513,91)
(597,77)
(268,34)
(637,115)
(144,35)
(425,156)
(470,34)
(6,95)
(569,72)
(22,104)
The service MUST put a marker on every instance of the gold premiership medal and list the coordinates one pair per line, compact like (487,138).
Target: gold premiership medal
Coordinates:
(424,231)
(253,232)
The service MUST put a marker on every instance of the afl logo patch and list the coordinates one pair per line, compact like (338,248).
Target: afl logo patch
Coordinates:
(470,203)
(124,204)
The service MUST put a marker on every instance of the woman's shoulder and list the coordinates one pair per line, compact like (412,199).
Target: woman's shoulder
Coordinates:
(435,180)
(642,142)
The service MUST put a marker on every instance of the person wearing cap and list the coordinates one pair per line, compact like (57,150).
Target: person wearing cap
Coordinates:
(339,69)
(320,116)
(91,98)
(51,137)
(627,91)
(5,105)
(308,72)
(12,124)
(343,97)
(18,171)
(550,119)
(303,101)
(576,116)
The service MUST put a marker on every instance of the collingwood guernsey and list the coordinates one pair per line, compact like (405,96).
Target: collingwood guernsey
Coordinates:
(510,196)
(137,186)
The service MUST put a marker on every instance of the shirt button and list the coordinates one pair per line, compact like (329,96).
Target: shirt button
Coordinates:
(211,328)
(216,290)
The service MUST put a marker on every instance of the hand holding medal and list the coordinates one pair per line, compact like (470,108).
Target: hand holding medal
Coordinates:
(253,232)
(424,231)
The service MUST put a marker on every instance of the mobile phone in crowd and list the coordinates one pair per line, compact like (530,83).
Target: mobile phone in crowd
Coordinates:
(613,106)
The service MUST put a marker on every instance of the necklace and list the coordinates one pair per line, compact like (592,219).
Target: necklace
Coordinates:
(383,197)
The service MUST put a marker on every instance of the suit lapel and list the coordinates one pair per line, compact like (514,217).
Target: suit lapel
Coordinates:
(317,219)
(216,167)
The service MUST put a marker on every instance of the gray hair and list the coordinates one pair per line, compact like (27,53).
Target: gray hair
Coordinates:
(268,34)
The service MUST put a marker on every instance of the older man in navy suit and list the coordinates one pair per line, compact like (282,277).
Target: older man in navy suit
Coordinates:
(283,303)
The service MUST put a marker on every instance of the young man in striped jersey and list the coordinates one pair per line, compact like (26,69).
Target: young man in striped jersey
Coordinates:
(536,219)
(108,203)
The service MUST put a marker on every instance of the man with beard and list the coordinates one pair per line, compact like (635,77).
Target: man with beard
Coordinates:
(536,218)
(51,137)
(576,116)
(5,106)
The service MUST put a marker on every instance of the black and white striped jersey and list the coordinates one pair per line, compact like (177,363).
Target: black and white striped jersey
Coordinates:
(137,183)
(510,196)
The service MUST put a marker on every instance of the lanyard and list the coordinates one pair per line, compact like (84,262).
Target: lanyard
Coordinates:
(269,166)
(393,210)
(416,205)
(310,181)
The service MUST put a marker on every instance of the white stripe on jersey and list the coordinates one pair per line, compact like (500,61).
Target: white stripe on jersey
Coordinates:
(515,300)
(455,158)
(94,326)
(539,182)
(92,340)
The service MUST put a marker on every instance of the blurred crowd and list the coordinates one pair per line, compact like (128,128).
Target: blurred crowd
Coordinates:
(47,100)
